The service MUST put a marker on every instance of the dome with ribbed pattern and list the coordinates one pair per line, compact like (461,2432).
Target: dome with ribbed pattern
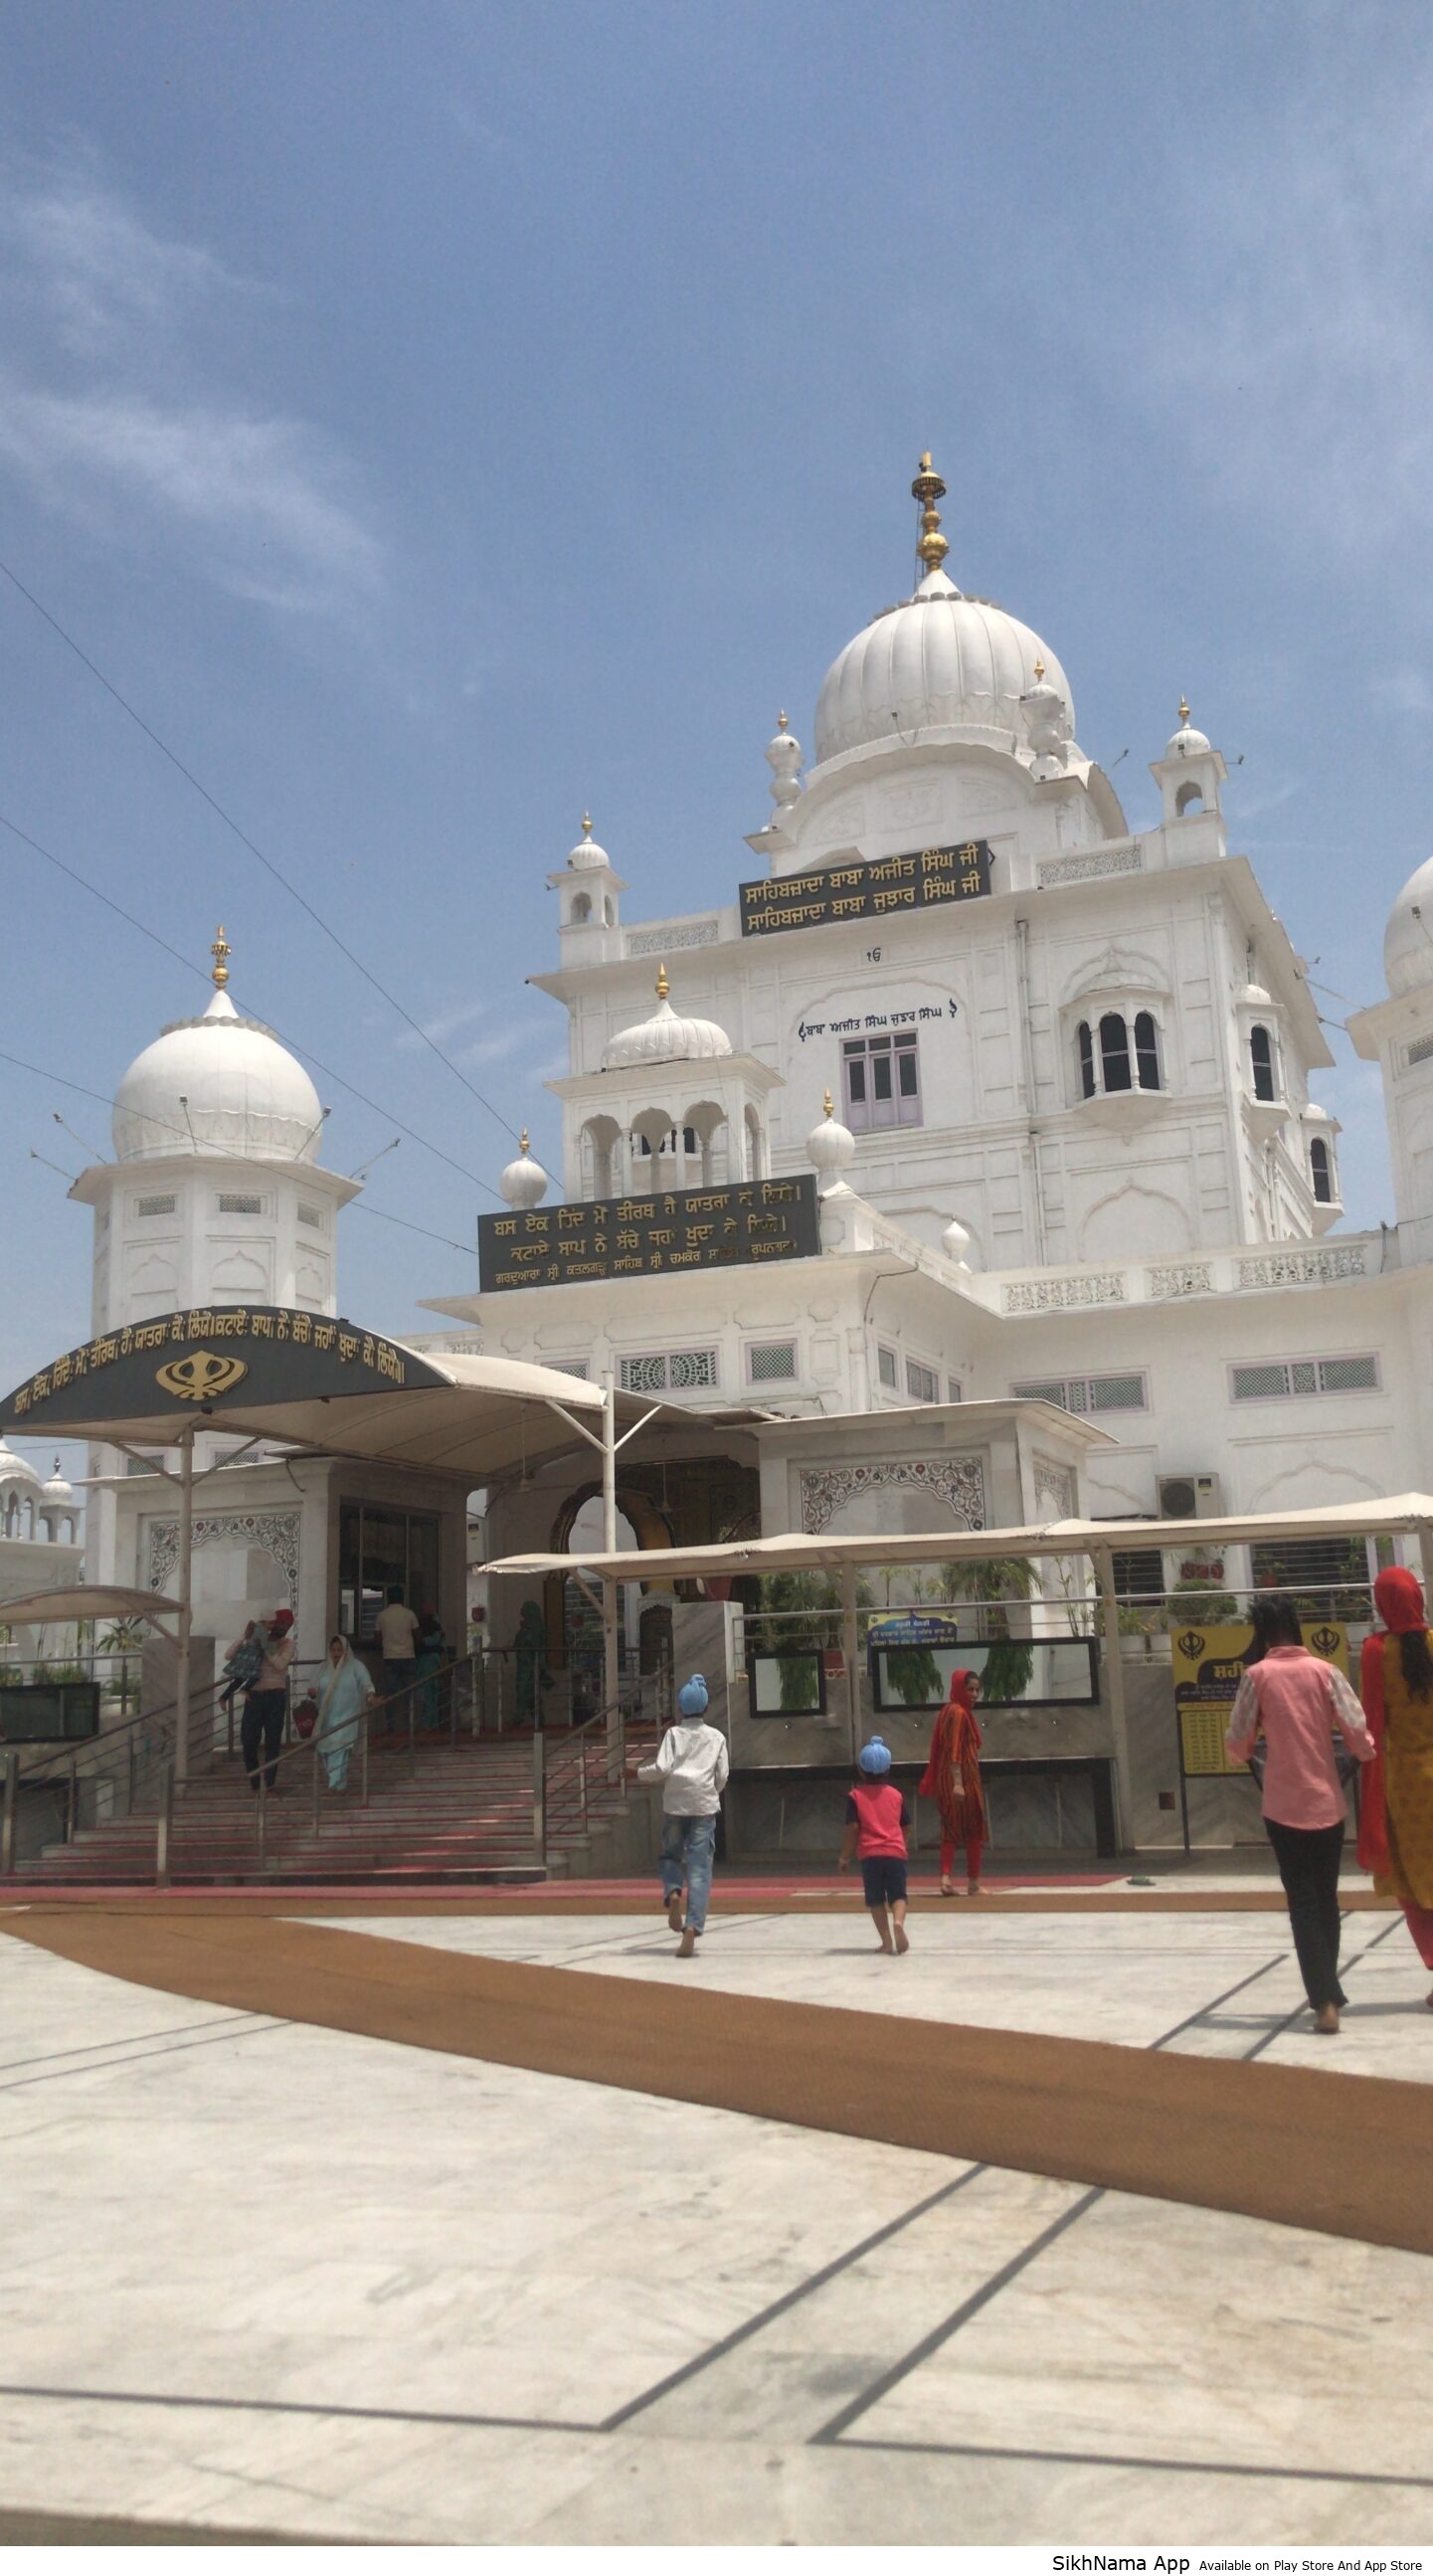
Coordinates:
(938,664)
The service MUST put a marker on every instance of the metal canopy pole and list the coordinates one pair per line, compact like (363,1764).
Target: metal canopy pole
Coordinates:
(186,1602)
(1103,1561)
(610,1678)
(850,1643)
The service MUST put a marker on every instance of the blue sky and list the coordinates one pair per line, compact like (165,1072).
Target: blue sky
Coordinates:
(436,417)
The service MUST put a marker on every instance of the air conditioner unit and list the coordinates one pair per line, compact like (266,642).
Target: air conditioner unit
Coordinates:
(1189,1498)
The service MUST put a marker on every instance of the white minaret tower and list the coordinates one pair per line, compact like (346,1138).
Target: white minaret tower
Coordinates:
(214,1197)
(1397,1035)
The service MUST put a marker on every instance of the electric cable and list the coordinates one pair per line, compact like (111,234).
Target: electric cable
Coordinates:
(253,848)
(296,1045)
(216,1153)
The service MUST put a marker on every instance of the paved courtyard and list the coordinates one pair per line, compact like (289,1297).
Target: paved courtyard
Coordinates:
(264,2275)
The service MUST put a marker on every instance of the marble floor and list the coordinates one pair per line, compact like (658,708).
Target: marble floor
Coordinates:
(272,2277)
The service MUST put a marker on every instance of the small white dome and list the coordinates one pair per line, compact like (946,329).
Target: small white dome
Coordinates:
(1408,940)
(588,853)
(524,1183)
(1184,744)
(1252,997)
(832,1149)
(665,1038)
(56,1489)
(15,1470)
(217,1085)
(956,1240)
(939,661)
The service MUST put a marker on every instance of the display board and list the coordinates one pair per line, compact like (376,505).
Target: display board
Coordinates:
(203,1355)
(1209,1664)
(650,1233)
(865,889)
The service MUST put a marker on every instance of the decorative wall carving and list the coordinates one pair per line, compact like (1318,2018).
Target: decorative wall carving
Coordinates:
(686,934)
(1302,1269)
(1090,1288)
(1181,1279)
(277,1532)
(1055,1488)
(1124,862)
(957,1482)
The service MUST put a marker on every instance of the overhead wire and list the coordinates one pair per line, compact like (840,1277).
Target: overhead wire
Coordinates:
(218,1153)
(253,848)
(298,1046)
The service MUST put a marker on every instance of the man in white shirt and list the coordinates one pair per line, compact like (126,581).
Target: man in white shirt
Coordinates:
(692,1764)
(398,1637)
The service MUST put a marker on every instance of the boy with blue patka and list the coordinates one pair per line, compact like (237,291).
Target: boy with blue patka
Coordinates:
(692,1764)
(876,1823)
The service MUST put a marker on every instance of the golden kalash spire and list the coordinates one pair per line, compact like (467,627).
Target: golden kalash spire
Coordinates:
(221,952)
(928,488)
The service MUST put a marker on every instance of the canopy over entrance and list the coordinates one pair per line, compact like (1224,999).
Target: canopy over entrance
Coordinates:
(316,1383)
(88,1601)
(319,1384)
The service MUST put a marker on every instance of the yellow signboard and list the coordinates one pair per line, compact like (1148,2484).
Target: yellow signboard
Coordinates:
(1209,1664)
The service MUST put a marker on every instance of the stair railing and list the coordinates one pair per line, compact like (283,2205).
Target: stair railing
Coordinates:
(561,1784)
(395,1713)
(130,1759)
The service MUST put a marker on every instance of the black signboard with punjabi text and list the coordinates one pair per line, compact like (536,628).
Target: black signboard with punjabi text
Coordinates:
(204,1356)
(649,1234)
(866,889)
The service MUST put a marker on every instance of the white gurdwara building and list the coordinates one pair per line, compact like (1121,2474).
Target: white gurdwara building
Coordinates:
(1053,1078)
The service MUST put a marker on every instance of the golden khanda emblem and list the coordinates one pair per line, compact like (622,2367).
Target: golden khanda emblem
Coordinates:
(200,1375)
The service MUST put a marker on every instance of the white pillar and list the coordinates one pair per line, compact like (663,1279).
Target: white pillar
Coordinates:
(611,1683)
(186,1605)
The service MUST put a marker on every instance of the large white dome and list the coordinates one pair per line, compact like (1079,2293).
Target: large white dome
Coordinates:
(1408,940)
(666,1038)
(218,1085)
(938,663)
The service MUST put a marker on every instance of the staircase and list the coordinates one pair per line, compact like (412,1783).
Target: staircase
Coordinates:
(460,1812)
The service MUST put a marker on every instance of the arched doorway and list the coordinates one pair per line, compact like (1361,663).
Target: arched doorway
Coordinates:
(574,1623)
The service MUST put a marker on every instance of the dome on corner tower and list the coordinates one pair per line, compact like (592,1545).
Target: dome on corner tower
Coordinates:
(937,663)
(217,1085)
(666,1038)
(1408,940)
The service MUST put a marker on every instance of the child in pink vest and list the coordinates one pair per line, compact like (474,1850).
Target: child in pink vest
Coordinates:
(876,1833)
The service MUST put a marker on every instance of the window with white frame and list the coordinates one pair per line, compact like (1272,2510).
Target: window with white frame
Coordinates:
(1121,1391)
(240,1203)
(668,1372)
(766,1362)
(953,1391)
(1118,1052)
(1263,1062)
(1257,1381)
(163,1203)
(880,1081)
(1321,1171)
(312,1217)
(668,1145)
(922,1382)
(886,1368)
(567,1368)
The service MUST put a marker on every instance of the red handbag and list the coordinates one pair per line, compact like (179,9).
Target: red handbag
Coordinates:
(306,1716)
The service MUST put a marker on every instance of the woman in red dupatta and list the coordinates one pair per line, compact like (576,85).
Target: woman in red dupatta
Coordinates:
(1395,1831)
(952,1778)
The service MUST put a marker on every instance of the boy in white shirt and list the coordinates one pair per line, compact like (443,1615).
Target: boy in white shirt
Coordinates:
(692,1764)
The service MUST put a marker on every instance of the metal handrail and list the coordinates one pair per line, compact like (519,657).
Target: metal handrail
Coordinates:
(109,1738)
(364,1727)
(551,1772)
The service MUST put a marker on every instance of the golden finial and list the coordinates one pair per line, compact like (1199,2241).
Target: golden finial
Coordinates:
(781,721)
(587,827)
(1039,668)
(663,987)
(522,1142)
(829,1105)
(220,951)
(1184,711)
(928,488)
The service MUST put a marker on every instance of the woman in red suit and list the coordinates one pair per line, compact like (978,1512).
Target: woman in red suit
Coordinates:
(952,1778)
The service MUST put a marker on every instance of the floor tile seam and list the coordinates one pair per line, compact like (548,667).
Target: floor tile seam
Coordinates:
(138,2039)
(255,2029)
(1132,2460)
(815,2281)
(183,2401)
(971,2306)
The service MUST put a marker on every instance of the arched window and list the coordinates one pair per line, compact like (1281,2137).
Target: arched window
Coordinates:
(1321,1166)
(1261,1059)
(1146,1051)
(1190,799)
(1085,1044)
(581,908)
(1114,1053)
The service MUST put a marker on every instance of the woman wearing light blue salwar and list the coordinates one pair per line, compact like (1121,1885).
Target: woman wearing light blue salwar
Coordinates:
(344,1692)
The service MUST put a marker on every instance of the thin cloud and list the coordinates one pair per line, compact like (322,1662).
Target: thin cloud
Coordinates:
(110,413)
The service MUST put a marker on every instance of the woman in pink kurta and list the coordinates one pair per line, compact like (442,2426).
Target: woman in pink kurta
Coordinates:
(1295,1701)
